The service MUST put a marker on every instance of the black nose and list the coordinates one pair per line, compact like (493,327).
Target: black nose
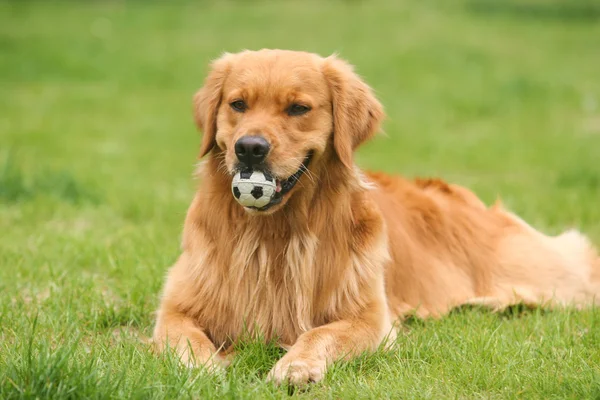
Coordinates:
(251,150)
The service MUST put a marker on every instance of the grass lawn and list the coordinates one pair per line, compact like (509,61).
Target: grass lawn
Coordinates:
(97,148)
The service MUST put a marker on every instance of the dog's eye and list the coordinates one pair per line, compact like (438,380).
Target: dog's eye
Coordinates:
(239,106)
(297,109)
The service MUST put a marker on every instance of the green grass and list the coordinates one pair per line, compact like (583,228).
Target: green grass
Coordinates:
(97,148)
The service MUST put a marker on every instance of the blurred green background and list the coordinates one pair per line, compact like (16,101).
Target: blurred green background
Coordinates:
(97,149)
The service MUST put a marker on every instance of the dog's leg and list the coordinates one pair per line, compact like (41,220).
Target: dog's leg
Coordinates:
(308,358)
(180,333)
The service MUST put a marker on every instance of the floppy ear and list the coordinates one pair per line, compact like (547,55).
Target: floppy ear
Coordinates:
(357,114)
(207,101)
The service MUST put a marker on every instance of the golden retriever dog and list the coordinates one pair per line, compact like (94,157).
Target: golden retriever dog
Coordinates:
(337,256)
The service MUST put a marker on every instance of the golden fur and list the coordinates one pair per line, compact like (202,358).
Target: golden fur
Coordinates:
(329,270)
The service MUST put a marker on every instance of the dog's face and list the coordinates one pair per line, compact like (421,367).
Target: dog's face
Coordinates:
(281,112)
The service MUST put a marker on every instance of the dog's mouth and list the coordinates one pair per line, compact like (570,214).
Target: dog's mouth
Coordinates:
(284,186)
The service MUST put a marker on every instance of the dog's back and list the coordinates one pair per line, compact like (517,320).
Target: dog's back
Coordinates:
(449,249)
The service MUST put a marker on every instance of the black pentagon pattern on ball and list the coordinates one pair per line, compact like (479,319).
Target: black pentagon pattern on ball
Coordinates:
(268,176)
(236,192)
(246,174)
(257,192)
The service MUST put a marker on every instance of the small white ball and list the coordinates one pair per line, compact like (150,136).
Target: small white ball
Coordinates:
(253,188)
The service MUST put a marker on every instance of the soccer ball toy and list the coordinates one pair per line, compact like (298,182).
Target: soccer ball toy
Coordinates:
(253,188)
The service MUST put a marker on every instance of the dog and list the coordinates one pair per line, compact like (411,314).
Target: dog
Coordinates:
(337,257)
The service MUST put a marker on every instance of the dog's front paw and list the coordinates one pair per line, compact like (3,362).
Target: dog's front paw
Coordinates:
(214,363)
(297,371)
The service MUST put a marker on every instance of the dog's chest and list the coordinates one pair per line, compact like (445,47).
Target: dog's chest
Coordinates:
(268,289)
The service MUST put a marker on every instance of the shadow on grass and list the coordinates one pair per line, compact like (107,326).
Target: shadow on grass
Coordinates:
(550,10)
(510,312)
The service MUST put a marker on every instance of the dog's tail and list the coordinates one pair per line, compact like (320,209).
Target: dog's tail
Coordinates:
(582,259)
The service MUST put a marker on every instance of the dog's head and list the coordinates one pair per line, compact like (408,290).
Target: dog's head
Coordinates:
(284,112)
